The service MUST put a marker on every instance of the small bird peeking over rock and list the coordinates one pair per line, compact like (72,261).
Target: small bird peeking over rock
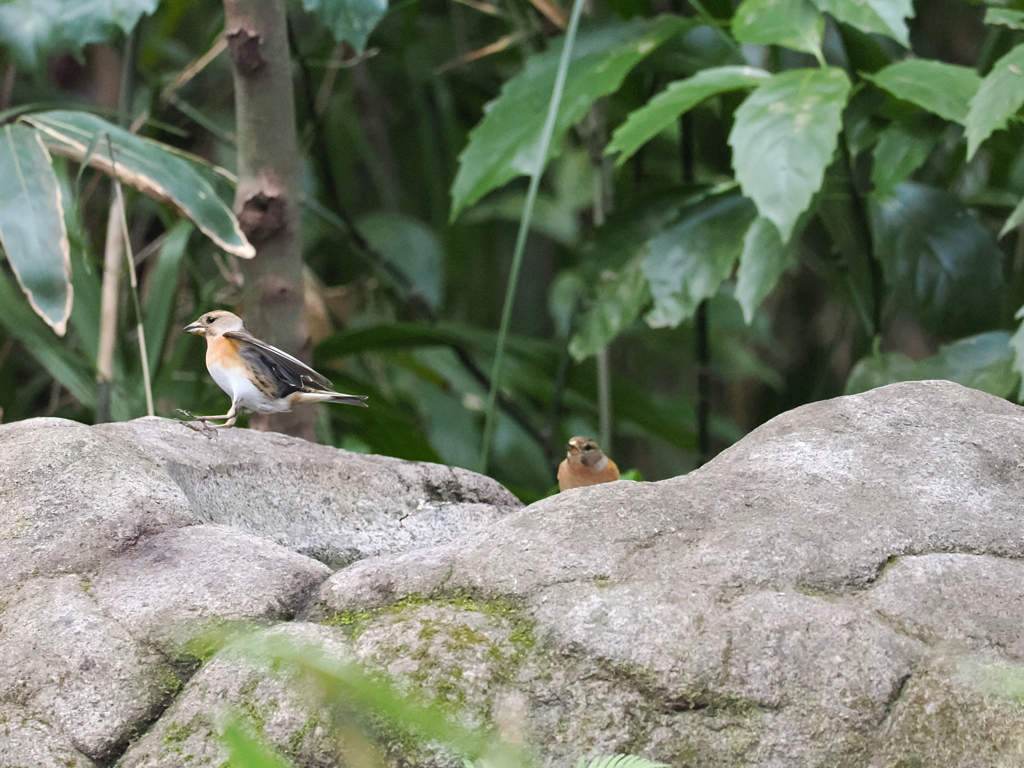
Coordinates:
(585,464)
(257,376)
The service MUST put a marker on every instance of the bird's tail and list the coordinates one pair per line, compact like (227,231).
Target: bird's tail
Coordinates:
(327,396)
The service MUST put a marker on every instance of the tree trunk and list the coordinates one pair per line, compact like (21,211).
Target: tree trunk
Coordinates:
(267,200)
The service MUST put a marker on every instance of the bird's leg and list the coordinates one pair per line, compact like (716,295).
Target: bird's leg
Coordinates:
(230,418)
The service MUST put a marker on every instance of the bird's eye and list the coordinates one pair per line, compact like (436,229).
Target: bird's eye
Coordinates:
(209,318)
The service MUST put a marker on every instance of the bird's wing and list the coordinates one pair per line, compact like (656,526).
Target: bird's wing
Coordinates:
(296,372)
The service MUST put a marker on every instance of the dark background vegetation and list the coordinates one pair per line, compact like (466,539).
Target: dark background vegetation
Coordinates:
(896,271)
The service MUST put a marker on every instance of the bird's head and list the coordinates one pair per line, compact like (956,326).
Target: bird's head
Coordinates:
(215,323)
(583,449)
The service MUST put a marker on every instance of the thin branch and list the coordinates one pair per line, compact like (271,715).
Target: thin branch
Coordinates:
(133,282)
(501,44)
(195,68)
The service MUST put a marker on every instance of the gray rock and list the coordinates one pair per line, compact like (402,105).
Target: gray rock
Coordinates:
(107,574)
(178,584)
(972,602)
(235,683)
(745,598)
(841,588)
(73,497)
(77,668)
(327,503)
(959,710)
(27,741)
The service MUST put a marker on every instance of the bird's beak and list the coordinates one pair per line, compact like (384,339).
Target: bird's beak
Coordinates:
(195,327)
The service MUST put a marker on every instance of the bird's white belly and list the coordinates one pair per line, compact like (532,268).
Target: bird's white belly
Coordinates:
(245,394)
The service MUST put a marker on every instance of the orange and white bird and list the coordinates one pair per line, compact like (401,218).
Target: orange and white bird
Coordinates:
(257,376)
(584,464)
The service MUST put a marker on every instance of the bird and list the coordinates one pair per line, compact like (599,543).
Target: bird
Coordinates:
(584,464)
(257,376)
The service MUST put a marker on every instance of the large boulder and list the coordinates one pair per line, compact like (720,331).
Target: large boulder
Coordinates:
(843,587)
(117,570)
(787,604)
(72,497)
(333,505)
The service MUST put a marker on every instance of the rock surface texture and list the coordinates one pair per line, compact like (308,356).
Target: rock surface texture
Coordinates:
(843,587)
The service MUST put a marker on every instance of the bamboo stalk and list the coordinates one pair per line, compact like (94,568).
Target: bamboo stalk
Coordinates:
(134,284)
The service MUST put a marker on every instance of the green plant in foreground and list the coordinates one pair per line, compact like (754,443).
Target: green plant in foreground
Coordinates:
(345,687)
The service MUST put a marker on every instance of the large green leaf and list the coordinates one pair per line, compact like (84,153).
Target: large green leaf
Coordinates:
(1000,96)
(783,139)
(938,259)
(881,17)
(349,20)
(65,366)
(147,166)
(32,230)
(765,257)
(618,301)
(505,143)
(686,263)
(645,123)
(1005,16)
(161,291)
(944,89)
(901,149)
(984,362)
(413,247)
(32,30)
(795,24)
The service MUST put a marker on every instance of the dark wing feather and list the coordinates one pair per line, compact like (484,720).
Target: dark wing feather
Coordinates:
(294,372)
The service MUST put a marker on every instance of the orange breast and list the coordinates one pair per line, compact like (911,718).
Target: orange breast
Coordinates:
(223,353)
(573,474)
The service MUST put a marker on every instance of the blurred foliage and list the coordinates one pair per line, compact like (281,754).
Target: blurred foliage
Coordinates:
(837,183)
(363,710)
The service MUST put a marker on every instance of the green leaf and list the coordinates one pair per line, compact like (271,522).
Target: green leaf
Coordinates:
(1017,343)
(564,296)
(246,749)
(901,149)
(68,368)
(161,289)
(619,761)
(1005,16)
(795,24)
(148,166)
(984,362)
(943,89)
(349,20)
(765,257)
(940,261)
(555,214)
(619,299)
(504,144)
(645,123)
(783,139)
(32,230)
(999,97)
(32,30)
(1015,219)
(413,247)
(880,17)
(686,263)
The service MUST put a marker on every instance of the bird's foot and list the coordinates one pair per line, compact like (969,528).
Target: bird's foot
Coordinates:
(203,427)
